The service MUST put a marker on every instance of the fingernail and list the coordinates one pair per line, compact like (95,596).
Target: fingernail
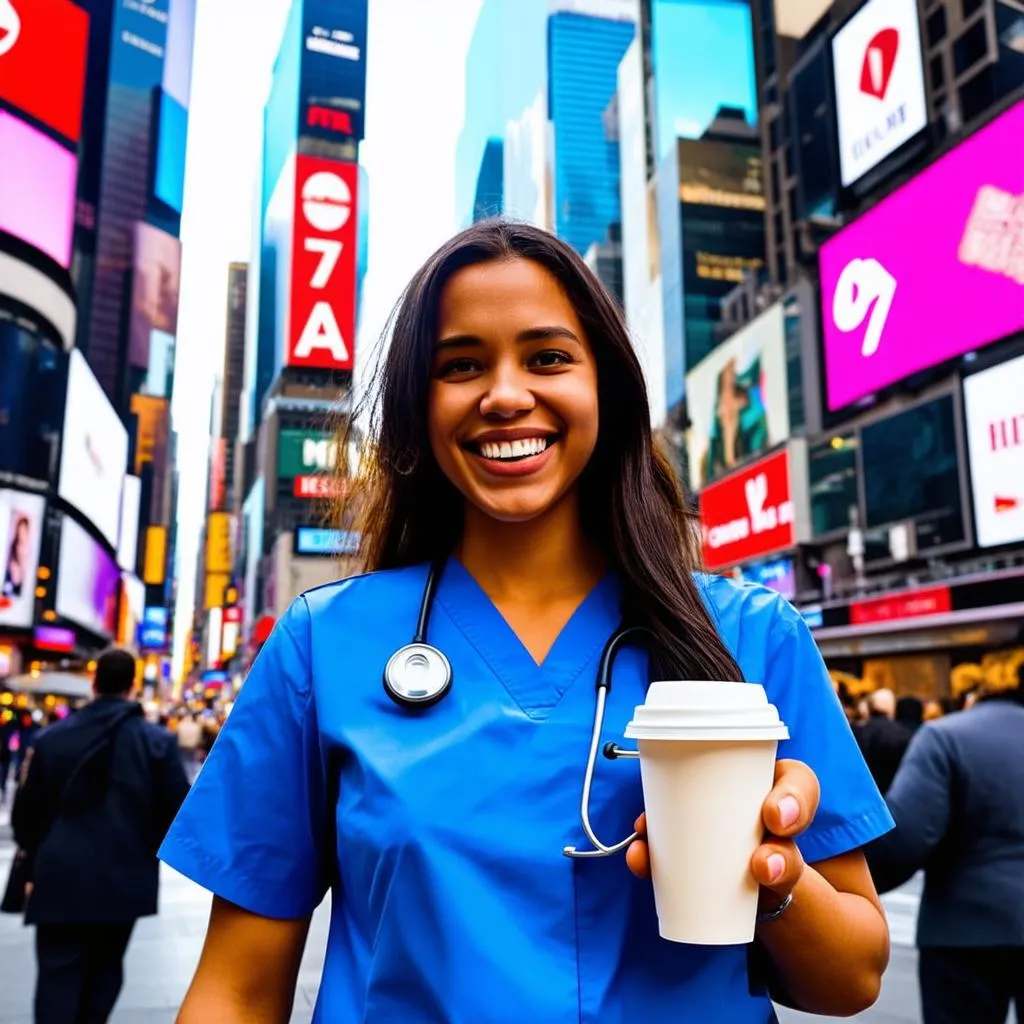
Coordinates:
(776,865)
(789,811)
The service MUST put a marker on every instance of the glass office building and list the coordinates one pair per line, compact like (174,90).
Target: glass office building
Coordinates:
(488,200)
(584,53)
(504,72)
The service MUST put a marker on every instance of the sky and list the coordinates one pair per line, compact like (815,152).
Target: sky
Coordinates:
(704,58)
(416,55)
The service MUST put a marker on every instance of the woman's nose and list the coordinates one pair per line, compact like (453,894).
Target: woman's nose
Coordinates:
(509,395)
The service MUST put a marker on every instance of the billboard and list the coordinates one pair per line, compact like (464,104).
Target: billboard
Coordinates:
(152,444)
(38,178)
(21,531)
(994,407)
(153,629)
(333,75)
(898,301)
(879,84)
(88,581)
(94,451)
(128,538)
(303,452)
(757,511)
(738,399)
(322,310)
(44,45)
(218,543)
(156,279)
(313,540)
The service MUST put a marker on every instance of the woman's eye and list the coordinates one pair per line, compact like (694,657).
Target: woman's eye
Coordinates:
(551,357)
(457,366)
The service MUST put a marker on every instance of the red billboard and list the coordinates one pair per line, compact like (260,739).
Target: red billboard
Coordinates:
(322,313)
(749,514)
(912,605)
(43,50)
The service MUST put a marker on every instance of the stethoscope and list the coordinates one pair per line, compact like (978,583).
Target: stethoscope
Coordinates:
(418,675)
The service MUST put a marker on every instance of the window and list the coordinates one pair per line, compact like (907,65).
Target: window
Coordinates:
(971,47)
(935,27)
(937,72)
(833,483)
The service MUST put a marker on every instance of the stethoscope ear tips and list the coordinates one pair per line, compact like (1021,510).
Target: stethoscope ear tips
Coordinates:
(417,676)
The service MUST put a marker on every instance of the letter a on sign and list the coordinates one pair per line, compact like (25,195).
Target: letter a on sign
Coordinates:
(322,310)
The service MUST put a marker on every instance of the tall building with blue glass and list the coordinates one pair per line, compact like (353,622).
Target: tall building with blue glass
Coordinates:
(584,53)
(504,74)
(489,200)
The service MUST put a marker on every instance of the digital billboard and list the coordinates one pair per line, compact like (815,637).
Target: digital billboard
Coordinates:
(313,540)
(43,50)
(156,280)
(171,144)
(994,407)
(898,301)
(38,178)
(94,451)
(879,84)
(333,71)
(757,511)
(738,399)
(139,45)
(322,310)
(88,581)
(21,531)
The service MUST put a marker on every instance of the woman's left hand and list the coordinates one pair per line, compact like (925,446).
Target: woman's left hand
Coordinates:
(777,863)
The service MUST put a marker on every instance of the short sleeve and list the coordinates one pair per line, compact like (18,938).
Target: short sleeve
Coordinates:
(253,828)
(852,812)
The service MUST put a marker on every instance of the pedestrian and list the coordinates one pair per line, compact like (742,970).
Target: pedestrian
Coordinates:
(883,741)
(515,456)
(99,791)
(958,803)
(189,734)
(910,713)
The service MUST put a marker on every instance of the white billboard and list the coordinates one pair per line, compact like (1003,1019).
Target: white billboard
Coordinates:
(737,399)
(94,451)
(879,84)
(994,407)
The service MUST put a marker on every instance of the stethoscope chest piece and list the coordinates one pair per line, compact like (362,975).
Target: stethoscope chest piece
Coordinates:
(417,675)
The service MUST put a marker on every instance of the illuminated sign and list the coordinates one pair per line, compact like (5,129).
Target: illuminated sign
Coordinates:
(321,486)
(312,540)
(322,320)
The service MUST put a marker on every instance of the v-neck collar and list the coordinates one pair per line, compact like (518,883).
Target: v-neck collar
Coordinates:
(535,688)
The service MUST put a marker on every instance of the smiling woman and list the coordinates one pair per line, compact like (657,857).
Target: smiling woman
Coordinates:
(513,484)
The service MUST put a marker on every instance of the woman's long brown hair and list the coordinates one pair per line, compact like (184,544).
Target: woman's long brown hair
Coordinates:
(632,505)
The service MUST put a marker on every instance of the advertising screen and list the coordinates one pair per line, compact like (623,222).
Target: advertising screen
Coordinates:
(156,280)
(128,537)
(879,84)
(738,399)
(21,530)
(172,136)
(88,581)
(911,471)
(139,43)
(750,514)
(38,178)
(94,451)
(322,315)
(313,540)
(43,50)
(333,75)
(218,543)
(301,452)
(153,629)
(994,407)
(896,301)
(778,575)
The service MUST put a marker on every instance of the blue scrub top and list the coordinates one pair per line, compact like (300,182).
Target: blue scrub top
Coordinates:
(441,831)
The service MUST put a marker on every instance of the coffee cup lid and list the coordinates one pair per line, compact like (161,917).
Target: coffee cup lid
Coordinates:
(706,710)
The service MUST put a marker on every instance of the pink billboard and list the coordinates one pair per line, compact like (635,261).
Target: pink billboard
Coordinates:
(932,272)
(38,178)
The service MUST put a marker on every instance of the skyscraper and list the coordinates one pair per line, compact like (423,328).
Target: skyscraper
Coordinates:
(584,53)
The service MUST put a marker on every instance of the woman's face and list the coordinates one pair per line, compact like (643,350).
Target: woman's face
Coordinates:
(512,412)
(21,532)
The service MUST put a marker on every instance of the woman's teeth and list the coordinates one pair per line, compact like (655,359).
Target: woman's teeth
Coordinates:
(513,449)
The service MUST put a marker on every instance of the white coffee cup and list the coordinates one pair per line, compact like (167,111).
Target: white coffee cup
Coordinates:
(707,762)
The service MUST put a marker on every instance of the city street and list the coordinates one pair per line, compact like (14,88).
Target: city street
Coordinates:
(164,951)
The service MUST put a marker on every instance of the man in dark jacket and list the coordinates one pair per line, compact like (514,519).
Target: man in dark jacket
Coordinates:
(883,741)
(958,803)
(98,793)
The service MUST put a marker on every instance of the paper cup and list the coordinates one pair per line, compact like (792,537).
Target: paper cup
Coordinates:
(707,762)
